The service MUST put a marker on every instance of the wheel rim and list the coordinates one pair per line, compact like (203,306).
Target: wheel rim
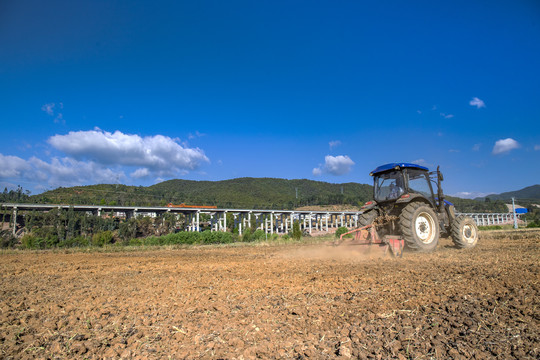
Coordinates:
(425,228)
(469,233)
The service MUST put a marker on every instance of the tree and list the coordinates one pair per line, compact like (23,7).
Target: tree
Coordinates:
(296,232)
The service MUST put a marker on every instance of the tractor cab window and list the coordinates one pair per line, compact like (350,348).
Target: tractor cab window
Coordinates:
(389,186)
(418,183)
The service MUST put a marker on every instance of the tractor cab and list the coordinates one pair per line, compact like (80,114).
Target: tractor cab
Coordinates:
(400,182)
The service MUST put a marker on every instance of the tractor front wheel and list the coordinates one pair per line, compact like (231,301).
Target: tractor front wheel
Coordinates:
(464,232)
(419,227)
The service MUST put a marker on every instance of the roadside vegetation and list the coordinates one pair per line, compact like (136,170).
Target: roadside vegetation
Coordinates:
(70,229)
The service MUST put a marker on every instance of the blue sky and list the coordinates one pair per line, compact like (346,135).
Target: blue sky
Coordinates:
(137,92)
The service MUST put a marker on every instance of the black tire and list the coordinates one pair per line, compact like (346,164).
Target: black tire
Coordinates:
(464,232)
(419,227)
(367,218)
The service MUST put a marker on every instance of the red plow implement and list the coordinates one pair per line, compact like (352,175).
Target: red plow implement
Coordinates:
(368,236)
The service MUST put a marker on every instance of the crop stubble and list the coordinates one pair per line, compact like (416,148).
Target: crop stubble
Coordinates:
(285,301)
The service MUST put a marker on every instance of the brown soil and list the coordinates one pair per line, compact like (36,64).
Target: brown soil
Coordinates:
(274,302)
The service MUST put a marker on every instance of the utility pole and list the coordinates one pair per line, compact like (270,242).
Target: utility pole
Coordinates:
(515,217)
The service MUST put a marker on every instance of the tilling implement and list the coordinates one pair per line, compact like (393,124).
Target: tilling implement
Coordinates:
(368,235)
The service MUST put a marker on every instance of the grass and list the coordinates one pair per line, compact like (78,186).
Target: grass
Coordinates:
(498,227)
(119,247)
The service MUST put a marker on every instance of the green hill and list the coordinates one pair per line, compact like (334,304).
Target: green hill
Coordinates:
(528,193)
(262,193)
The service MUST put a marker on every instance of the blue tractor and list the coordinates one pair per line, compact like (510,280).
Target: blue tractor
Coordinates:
(408,204)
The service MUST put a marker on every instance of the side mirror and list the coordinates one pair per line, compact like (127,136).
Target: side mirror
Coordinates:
(439,174)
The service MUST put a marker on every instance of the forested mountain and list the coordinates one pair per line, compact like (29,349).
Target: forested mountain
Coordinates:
(247,193)
(262,193)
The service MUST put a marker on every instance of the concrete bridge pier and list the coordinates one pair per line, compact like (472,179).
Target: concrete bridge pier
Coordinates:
(326,220)
(14,220)
(214,222)
(237,223)
(224,227)
(259,223)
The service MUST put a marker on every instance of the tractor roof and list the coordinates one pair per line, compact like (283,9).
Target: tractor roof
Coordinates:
(392,166)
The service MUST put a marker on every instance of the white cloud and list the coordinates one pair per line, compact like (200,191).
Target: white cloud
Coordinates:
(12,166)
(447,116)
(469,194)
(334,143)
(477,102)
(140,173)
(50,110)
(196,135)
(69,172)
(161,155)
(536,147)
(505,145)
(102,157)
(334,165)
(57,172)
(476,147)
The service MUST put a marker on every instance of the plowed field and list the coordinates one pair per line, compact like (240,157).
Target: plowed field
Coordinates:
(287,301)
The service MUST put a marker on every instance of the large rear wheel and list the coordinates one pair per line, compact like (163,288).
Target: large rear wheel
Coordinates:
(419,227)
(464,232)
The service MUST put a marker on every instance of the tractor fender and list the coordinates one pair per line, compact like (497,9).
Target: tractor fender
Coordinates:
(409,197)
(368,206)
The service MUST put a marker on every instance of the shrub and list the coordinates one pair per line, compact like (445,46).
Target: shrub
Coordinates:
(29,241)
(533,224)
(217,237)
(183,237)
(79,241)
(247,236)
(153,241)
(135,242)
(102,238)
(341,230)
(7,239)
(258,235)
(296,232)
(51,241)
